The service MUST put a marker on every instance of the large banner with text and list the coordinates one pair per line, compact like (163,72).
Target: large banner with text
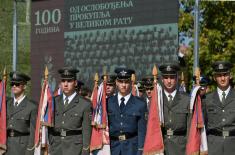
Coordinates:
(96,36)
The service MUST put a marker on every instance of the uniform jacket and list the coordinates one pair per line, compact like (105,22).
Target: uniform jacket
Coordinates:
(220,117)
(176,117)
(75,116)
(132,120)
(21,119)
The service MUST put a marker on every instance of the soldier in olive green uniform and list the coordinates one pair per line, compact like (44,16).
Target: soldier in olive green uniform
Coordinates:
(220,112)
(176,114)
(21,118)
(72,125)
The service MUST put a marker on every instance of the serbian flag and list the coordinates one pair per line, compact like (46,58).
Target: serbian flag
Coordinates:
(3,130)
(197,140)
(100,133)
(44,119)
(154,139)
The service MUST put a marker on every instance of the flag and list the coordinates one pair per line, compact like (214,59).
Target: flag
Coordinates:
(44,119)
(100,132)
(182,88)
(154,139)
(134,91)
(197,140)
(3,130)
(58,92)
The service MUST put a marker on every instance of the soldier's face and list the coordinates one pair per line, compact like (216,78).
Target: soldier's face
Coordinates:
(110,89)
(149,92)
(169,82)
(68,86)
(123,86)
(222,80)
(18,89)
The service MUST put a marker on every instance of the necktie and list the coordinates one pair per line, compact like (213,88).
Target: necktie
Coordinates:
(122,105)
(223,97)
(170,99)
(66,102)
(15,104)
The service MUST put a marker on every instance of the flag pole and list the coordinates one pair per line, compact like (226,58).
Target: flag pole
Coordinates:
(46,73)
(196,36)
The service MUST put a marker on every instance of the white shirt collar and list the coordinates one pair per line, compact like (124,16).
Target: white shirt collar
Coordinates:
(220,92)
(127,97)
(18,101)
(70,98)
(172,94)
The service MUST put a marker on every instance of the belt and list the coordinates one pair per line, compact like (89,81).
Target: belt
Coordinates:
(14,133)
(123,136)
(170,132)
(64,133)
(223,133)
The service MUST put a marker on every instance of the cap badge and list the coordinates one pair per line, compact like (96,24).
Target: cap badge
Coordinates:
(66,72)
(168,68)
(221,66)
(123,73)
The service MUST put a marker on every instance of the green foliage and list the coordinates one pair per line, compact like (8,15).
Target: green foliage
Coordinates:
(6,38)
(217,34)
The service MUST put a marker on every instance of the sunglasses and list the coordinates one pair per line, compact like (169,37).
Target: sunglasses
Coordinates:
(15,84)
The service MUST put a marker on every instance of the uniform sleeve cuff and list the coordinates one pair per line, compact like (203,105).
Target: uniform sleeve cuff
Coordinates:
(86,148)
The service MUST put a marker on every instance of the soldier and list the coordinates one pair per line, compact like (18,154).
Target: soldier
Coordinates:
(79,87)
(126,117)
(204,82)
(141,89)
(72,125)
(220,112)
(111,85)
(175,112)
(148,85)
(21,118)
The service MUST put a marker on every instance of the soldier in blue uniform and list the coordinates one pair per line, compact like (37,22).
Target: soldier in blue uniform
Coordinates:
(126,117)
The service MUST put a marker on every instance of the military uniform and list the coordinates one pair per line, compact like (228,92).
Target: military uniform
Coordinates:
(21,121)
(127,125)
(148,86)
(220,117)
(72,123)
(176,116)
(111,84)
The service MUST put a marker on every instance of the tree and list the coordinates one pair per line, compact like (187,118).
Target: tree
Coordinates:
(217,33)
